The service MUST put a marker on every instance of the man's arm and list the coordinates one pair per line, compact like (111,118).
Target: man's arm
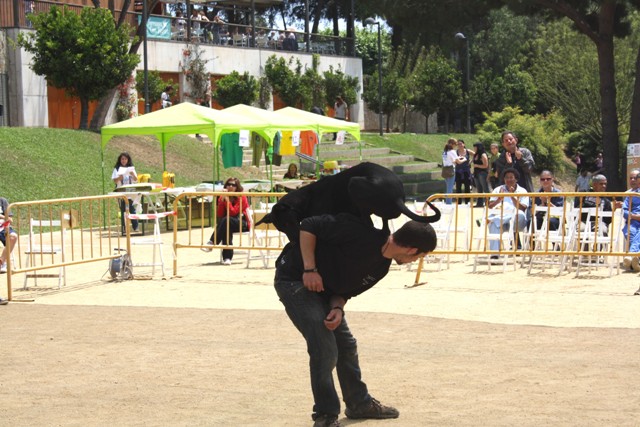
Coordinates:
(311,279)
(527,159)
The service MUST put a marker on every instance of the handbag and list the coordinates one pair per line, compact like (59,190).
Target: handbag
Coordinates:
(447,171)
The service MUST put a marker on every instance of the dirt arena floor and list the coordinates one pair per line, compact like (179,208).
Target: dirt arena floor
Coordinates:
(213,347)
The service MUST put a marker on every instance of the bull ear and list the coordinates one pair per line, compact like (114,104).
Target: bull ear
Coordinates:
(436,213)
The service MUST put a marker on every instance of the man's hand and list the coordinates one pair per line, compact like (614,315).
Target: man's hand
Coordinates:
(313,282)
(333,319)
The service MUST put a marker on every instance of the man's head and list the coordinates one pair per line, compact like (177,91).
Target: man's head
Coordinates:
(599,183)
(510,177)
(546,180)
(633,179)
(415,239)
(509,141)
(494,148)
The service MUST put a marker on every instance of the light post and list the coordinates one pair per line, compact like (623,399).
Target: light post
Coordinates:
(460,36)
(145,17)
(371,21)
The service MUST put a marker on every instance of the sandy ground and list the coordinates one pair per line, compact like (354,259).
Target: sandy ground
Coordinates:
(213,347)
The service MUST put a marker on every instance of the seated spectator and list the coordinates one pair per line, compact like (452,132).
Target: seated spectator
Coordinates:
(631,228)
(292,172)
(6,230)
(598,185)
(511,206)
(582,182)
(547,186)
(232,213)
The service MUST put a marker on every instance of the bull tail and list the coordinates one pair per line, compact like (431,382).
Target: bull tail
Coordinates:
(420,218)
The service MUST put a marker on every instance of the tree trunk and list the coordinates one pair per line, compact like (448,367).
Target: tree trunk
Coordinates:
(84,112)
(634,130)
(608,108)
(100,113)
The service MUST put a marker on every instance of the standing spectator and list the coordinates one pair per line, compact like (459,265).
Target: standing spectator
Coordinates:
(578,159)
(547,186)
(511,206)
(341,112)
(232,213)
(480,171)
(598,164)
(124,173)
(206,26)
(449,158)
(582,182)
(337,258)
(166,97)
(217,27)
(463,170)
(518,158)
(493,176)
(6,230)
(181,25)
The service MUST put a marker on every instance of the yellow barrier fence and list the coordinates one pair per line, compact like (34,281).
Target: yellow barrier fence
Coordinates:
(196,213)
(59,233)
(584,231)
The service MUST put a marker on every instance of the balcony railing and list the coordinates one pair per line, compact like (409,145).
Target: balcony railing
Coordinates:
(14,14)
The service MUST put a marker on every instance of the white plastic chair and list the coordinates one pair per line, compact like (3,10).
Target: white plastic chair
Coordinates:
(554,241)
(597,238)
(46,238)
(505,237)
(266,239)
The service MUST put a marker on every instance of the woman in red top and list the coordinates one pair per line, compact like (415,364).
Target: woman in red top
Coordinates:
(232,213)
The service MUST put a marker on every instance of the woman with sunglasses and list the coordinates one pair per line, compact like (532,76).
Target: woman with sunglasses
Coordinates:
(547,186)
(233,217)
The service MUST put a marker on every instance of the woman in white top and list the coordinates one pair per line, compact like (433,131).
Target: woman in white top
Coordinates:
(124,173)
(449,158)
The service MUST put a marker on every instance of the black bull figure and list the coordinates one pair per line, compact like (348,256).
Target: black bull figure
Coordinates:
(361,190)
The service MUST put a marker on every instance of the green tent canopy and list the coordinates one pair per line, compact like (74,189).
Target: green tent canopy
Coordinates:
(322,124)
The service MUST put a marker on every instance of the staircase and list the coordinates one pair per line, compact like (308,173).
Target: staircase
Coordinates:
(420,178)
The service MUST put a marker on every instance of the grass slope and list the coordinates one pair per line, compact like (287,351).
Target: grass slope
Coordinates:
(44,163)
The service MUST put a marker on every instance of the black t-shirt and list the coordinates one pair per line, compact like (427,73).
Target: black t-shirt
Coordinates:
(348,254)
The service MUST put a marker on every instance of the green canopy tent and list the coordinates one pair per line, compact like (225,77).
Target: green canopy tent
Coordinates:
(186,118)
(323,124)
(273,121)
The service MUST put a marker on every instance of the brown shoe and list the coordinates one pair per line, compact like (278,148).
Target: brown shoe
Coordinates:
(372,410)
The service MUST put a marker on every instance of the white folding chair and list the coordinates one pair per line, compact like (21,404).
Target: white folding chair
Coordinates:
(154,240)
(46,242)
(443,231)
(267,240)
(551,242)
(595,240)
(504,236)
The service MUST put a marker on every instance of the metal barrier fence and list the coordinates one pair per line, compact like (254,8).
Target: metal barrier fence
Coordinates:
(196,216)
(582,232)
(58,233)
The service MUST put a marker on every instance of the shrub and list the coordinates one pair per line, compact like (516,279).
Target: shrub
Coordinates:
(542,134)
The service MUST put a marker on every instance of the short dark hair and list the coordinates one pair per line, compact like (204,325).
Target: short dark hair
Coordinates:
(510,170)
(419,235)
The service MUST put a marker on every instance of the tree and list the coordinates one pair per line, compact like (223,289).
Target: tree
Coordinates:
(236,88)
(393,94)
(155,84)
(86,55)
(337,83)
(315,82)
(436,86)
(286,80)
(600,21)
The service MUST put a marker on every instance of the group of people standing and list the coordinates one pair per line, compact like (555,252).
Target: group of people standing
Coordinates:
(458,160)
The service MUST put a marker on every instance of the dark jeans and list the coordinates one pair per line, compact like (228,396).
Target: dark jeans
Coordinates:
(132,210)
(327,349)
(482,186)
(223,237)
(463,178)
